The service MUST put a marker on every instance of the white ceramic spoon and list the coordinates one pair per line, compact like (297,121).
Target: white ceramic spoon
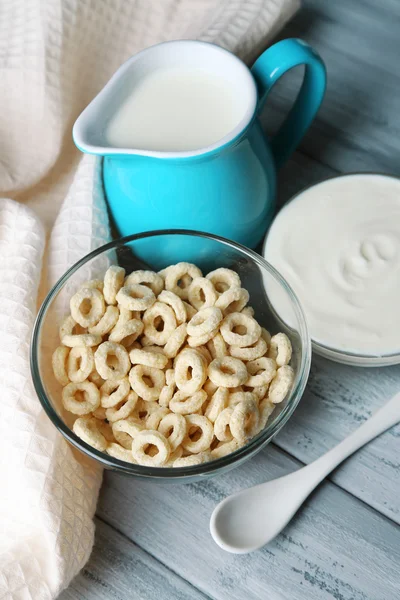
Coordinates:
(251,518)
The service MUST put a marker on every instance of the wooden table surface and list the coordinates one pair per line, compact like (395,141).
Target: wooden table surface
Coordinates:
(153,541)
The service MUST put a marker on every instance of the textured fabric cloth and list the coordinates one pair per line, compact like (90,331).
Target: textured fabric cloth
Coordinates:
(55,55)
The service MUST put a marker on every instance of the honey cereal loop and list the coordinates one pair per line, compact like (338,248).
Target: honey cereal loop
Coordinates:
(223,279)
(126,430)
(80,398)
(179,277)
(205,321)
(87,306)
(218,402)
(233,300)
(251,327)
(123,409)
(190,371)
(248,311)
(199,434)
(148,357)
(117,451)
(195,341)
(192,460)
(257,350)
(107,322)
(227,372)
(190,310)
(217,346)
(86,428)
(138,377)
(183,404)
(113,282)
(265,408)
(222,425)
(244,421)
(261,371)
(176,303)
(80,363)
(201,293)
(148,278)
(174,428)
(145,439)
(241,396)
(152,319)
(281,384)
(71,339)
(155,417)
(136,297)
(59,364)
(176,341)
(112,360)
(280,349)
(113,391)
(127,333)
(224,448)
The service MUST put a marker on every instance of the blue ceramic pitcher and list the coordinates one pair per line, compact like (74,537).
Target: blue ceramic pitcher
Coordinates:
(227,188)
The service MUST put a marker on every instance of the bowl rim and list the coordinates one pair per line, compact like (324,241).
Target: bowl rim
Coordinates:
(345,357)
(173,473)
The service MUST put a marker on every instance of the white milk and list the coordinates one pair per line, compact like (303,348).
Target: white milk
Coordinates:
(338,246)
(177,109)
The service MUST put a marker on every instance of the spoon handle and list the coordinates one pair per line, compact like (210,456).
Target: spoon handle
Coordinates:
(385,417)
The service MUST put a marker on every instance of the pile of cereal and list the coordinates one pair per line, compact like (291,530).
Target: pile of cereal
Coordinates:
(169,368)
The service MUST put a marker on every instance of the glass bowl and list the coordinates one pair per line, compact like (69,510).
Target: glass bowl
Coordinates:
(208,252)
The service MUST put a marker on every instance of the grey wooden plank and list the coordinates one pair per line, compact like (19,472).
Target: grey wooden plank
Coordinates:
(357,127)
(119,570)
(336,547)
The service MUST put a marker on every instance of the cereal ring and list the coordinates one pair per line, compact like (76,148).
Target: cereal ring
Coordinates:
(224,448)
(176,341)
(193,459)
(138,383)
(179,277)
(98,284)
(126,315)
(233,320)
(145,408)
(100,413)
(117,451)
(244,421)
(123,409)
(190,310)
(136,297)
(199,434)
(266,408)
(222,425)
(190,371)
(127,333)
(227,372)
(204,321)
(201,293)
(176,304)
(223,279)
(217,346)
(80,398)
(80,363)
(280,349)
(183,404)
(95,378)
(236,397)
(266,336)
(210,388)
(112,360)
(87,306)
(170,376)
(281,384)
(145,440)
(174,456)
(233,300)
(248,311)
(125,430)
(113,282)
(107,321)
(154,418)
(262,371)
(71,339)
(203,350)
(251,352)
(58,361)
(87,430)
(258,391)
(174,428)
(148,278)
(217,404)
(153,330)
(201,340)
(148,358)
(166,394)
(113,391)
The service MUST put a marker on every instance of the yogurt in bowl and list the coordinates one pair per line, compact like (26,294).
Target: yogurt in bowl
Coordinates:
(338,245)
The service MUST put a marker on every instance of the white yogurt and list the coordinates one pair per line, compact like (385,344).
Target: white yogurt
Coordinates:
(338,246)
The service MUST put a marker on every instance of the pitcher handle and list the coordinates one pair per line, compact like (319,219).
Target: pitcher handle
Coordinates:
(268,68)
